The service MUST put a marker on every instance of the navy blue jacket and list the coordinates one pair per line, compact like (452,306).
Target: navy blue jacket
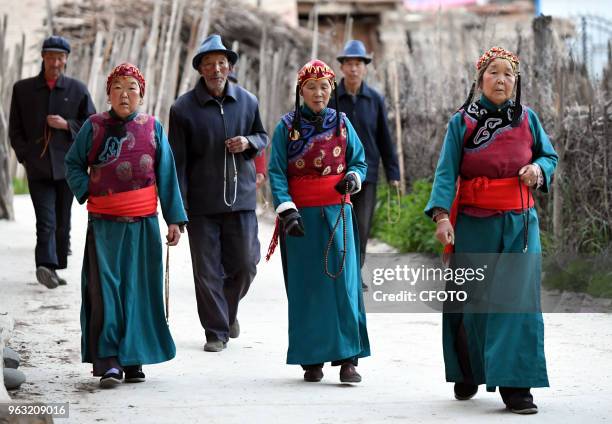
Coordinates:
(32,101)
(199,126)
(369,118)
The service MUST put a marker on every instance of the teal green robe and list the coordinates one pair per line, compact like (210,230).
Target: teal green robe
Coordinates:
(130,263)
(327,320)
(504,349)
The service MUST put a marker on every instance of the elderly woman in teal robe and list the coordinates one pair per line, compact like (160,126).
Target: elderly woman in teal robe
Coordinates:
(120,163)
(316,162)
(495,152)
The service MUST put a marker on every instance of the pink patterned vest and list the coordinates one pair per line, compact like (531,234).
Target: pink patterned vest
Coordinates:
(492,148)
(119,164)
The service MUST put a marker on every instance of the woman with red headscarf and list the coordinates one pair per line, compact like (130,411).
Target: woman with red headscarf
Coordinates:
(316,163)
(120,163)
(495,152)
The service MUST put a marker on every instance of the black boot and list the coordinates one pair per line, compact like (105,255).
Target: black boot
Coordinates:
(348,373)
(518,400)
(60,280)
(111,378)
(134,374)
(313,373)
(465,391)
(47,277)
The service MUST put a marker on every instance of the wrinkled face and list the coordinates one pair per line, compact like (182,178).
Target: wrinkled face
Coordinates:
(54,63)
(124,95)
(214,68)
(316,94)
(354,71)
(498,81)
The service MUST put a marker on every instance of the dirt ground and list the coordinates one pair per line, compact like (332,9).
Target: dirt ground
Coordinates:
(403,381)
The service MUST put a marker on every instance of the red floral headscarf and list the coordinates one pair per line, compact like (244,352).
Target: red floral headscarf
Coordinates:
(126,70)
(494,53)
(315,70)
(481,65)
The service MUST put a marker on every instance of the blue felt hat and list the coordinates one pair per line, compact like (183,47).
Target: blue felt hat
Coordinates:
(213,44)
(354,49)
(55,43)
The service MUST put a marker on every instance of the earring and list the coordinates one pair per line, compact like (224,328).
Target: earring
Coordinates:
(141,102)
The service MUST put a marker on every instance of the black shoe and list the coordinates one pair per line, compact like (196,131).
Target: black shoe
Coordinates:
(134,374)
(348,373)
(111,378)
(364,287)
(214,346)
(234,330)
(60,280)
(465,391)
(47,277)
(314,374)
(518,400)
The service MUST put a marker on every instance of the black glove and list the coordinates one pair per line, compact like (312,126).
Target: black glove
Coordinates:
(291,223)
(352,184)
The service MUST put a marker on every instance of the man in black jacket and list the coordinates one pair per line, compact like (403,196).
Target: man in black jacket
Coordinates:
(215,133)
(47,112)
(366,110)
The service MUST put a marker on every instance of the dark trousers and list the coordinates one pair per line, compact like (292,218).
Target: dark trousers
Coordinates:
(364,203)
(52,202)
(224,254)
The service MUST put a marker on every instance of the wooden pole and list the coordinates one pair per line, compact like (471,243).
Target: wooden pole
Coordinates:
(315,32)
(96,64)
(263,78)
(6,180)
(196,36)
(151,48)
(348,28)
(398,124)
(50,26)
(166,57)
(557,192)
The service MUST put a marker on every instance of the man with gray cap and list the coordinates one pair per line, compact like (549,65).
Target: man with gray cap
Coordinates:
(47,112)
(216,132)
(365,108)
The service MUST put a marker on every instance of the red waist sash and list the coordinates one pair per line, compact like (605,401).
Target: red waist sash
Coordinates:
(141,202)
(505,194)
(500,194)
(310,191)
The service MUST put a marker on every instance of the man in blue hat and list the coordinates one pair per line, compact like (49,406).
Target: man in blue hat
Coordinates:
(216,133)
(47,112)
(366,110)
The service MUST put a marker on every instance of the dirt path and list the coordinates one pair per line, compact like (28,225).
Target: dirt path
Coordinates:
(249,381)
